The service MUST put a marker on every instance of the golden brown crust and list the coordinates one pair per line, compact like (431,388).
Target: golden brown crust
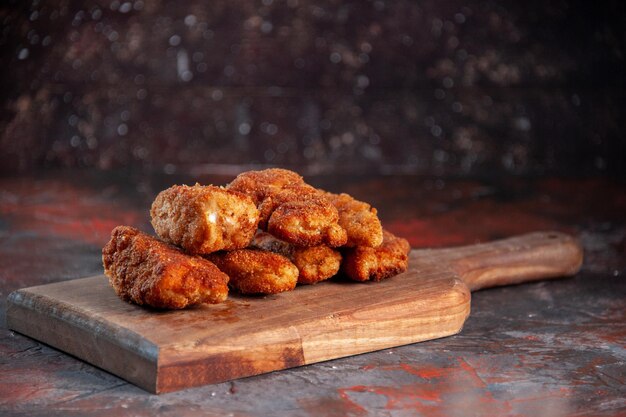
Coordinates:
(261,184)
(291,209)
(204,219)
(315,263)
(253,271)
(289,193)
(364,263)
(359,219)
(307,222)
(146,271)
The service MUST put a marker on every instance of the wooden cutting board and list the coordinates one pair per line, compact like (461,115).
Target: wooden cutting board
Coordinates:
(172,350)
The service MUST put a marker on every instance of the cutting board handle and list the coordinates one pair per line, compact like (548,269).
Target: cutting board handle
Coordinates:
(529,257)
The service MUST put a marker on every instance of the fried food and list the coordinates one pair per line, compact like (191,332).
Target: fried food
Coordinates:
(290,209)
(254,271)
(308,222)
(262,184)
(204,219)
(364,263)
(314,263)
(146,271)
(359,219)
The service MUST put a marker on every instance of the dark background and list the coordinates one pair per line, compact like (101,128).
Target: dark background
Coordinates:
(488,118)
(481,88)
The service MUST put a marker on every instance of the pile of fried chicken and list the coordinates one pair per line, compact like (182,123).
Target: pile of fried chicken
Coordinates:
(263,233)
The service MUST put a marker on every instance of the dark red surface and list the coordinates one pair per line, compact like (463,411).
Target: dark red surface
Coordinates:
(551,348)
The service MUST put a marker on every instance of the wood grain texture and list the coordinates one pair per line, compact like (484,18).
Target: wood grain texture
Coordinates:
(163,351)
(530,257)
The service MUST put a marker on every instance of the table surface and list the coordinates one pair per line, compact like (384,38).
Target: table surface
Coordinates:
(555,348)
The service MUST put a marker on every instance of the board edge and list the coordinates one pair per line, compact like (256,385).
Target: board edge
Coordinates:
(27,312)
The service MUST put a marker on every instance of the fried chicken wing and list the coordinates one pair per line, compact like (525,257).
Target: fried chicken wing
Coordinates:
(314,263)
(204,219)
(254,271)
(290,209)
(359,219)
(363,263)
(146,271)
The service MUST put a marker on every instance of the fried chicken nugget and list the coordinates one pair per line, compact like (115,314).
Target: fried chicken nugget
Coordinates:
(254,271)
(314,263)
(146,271)
(309,221)
(261,184)
(359,219)
(364,263)
(290,209)
(204,219)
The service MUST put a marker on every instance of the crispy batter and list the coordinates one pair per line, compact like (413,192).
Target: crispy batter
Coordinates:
(204,219)
(359,219)
(307,222)
(315,263)
(253,271)
(146,271)
(288,194)
(261,184)
(290,209)
(363,263)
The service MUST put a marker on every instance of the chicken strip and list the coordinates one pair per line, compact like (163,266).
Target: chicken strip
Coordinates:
(364,263)
(253,271)
(204,219)
(314,263)
(290,209)
(359,219)
(146,271)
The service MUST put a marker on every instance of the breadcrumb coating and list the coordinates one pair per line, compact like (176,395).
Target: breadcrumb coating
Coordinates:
(359,219)
(146,271)
(204,219)
(364,263)
(254,271)
(314,263)
(290,209)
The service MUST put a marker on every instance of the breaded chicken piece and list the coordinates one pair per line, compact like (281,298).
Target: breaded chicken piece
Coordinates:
(314,263)
(290,209)
(254,271)
(288,194)
(146,271)
(363,263)
(261,184)
(204,219)
(309,221)
(359,219)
